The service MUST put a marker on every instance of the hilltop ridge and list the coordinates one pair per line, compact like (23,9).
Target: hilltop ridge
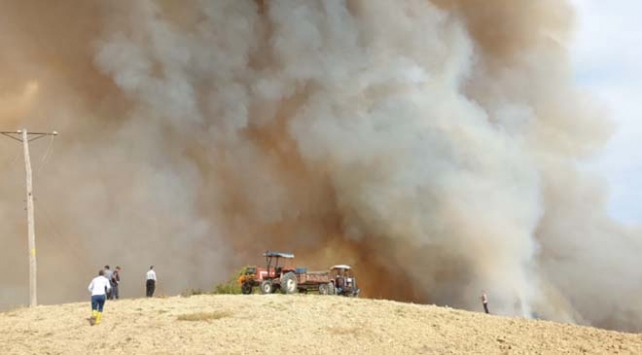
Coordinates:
(267,324)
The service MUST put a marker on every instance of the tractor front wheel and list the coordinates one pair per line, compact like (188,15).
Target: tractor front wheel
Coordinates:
(246,288)
(331,289)
(267,287)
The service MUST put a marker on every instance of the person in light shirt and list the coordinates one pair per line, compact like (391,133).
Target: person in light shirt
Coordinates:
(108,275)
(484,299)
(150,281)
(98,287)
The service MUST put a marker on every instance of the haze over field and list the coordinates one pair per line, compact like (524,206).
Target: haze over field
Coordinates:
(434,145)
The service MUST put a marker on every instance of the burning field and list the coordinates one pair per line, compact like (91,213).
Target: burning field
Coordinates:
(434,145)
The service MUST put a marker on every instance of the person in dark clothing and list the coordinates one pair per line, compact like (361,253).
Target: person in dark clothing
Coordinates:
(150,283)
(115,281)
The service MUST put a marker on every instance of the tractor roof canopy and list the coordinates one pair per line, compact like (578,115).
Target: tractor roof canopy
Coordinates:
(340,267)
(277,254)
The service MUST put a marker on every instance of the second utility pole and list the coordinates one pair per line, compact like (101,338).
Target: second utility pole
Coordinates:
(31,232)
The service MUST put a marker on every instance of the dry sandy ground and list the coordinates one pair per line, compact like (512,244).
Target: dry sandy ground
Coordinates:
(311,324)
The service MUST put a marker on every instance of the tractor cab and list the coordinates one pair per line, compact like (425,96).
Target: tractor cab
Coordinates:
(277,264)
(344,281)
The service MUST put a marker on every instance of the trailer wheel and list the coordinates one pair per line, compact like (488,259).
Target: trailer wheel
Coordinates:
(267,287)
(323,289)
(246,288)
(288,283)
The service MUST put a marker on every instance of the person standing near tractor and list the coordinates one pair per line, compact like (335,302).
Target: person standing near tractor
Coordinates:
(150,283)
(108,275)
(484,299)
(98,287)
(115,281)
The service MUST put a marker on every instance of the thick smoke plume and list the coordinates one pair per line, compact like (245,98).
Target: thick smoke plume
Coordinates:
(434,145)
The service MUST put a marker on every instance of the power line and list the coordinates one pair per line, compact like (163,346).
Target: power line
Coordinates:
(46,155)
(78,256)
(13,158)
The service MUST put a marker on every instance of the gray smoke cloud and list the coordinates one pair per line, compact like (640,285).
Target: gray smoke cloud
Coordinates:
(435,145)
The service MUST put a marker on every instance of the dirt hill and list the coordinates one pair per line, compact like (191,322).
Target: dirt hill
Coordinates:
(277,324)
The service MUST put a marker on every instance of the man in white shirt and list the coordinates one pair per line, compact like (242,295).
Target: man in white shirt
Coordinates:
(98,287)
(484,299)
(150,281)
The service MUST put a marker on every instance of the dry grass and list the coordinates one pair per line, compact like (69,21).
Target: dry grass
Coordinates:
(204,316)
(271,324)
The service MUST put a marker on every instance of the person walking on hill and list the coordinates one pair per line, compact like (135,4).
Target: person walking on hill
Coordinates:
(98,287)
(150,281)
(484,299)
(115,281)
(108,275)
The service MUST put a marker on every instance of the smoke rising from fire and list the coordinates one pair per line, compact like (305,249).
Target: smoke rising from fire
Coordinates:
(434,145)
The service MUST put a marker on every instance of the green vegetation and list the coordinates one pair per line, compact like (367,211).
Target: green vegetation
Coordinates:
(231,287)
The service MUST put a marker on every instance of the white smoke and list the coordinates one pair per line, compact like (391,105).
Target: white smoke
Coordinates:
(434,145)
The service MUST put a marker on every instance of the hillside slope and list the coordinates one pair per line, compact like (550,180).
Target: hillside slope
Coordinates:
(292,325)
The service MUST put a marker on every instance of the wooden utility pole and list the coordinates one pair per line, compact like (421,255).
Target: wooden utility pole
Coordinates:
(26,137)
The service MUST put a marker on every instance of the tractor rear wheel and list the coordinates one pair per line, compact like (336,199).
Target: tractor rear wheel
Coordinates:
(246,288)
(323,289)
(288,283)
(331,289)
(267,287)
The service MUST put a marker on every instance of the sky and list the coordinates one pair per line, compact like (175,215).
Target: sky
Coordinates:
(607,56)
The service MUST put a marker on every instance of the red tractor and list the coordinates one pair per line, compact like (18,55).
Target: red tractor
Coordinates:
(280,274)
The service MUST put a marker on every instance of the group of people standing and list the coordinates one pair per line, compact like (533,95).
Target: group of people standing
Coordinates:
(105,286)
(114,280)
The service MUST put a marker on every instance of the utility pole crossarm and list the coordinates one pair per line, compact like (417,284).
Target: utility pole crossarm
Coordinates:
(25,137)
(17,135)
(9,134)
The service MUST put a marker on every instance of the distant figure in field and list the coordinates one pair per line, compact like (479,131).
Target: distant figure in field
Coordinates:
(484,300)
(151,281)
(115,281)
(98,288)
(108,275)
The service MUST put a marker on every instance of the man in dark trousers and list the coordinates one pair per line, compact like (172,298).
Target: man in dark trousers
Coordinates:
(115,281)
(151,281)
(484,300)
